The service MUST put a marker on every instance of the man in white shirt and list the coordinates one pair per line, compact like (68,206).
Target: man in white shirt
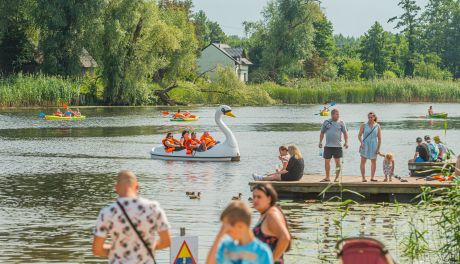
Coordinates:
(146,216)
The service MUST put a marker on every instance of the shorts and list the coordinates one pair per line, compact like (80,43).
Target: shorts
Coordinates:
(330,152)
(419,159)
(290,177)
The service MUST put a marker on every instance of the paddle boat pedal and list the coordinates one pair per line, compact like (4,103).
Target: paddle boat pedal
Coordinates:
(226,151)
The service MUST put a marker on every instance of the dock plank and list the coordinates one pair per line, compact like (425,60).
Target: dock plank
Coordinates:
(310,186)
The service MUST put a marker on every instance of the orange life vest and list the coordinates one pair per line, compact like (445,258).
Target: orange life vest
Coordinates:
(191,142)
(178,115)
(58,113)
(170,141)
(209,141)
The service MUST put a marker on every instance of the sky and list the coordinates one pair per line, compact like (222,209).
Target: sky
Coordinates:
(349,17)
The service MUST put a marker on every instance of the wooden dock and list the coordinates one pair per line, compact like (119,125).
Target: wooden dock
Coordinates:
(309,187)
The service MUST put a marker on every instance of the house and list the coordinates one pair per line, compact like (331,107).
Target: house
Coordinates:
(87,62)
(217,54)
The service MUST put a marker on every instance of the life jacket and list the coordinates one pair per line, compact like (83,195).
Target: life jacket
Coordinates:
(209,141)
(170,141)
(76,113)
(191,142)
(178,115)
(186,114)
(57,113)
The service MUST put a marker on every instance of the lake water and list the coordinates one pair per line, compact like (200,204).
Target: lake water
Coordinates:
(56,176)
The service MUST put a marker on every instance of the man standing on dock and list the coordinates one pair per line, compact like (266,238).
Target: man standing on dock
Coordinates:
(333,129)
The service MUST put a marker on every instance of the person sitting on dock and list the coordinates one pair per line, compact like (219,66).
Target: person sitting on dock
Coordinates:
(443,150)
(171,144)
(193,144)
(294,169)
(434,151)
(178,115)
(422,154)
(283,157)
(207,141)
(58,112)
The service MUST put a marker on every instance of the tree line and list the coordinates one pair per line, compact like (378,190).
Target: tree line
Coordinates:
(144,48)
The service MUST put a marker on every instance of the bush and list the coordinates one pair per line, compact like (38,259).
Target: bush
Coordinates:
(352,69)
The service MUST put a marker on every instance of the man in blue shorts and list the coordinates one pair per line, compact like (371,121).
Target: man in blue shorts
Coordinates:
(333,128)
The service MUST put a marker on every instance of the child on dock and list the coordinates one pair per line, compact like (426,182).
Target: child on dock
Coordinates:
(388,166)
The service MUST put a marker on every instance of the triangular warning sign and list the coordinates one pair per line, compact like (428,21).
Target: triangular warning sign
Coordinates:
(184,256)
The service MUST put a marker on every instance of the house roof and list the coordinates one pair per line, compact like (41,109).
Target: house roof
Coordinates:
(235,54)
(86,60)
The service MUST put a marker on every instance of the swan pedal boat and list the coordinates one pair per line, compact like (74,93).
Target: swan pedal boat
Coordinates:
(227,150)
(65,118)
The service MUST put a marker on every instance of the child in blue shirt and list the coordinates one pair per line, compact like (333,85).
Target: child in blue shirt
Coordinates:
(235,243)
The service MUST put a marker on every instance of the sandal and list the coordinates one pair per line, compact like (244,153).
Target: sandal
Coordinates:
(324,180)
(374,180)
(364,180)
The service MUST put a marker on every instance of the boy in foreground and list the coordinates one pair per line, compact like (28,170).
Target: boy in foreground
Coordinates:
(240,245)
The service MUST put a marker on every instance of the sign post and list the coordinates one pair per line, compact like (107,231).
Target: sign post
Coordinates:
(184,249)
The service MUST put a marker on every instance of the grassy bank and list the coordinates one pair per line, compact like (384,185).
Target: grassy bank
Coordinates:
(394,90)
(38,90)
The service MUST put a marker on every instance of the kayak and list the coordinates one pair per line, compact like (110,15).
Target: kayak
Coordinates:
(65,118)
(187,119)
(324,113)
(439,115)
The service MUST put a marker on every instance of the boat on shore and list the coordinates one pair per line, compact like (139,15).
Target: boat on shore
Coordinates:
(423,169)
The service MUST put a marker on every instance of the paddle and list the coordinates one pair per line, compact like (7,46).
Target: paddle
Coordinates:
(327,108)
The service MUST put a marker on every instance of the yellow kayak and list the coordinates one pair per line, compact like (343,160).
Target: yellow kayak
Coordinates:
(325,113)
(187,119)
(53,117)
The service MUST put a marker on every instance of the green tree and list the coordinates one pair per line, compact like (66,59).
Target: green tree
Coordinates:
(285,37)
(323,40)
(64,26)
(353,69)
(16,35)
(374,48)
(179,64)
(135,42)
(409,23)
(207,31)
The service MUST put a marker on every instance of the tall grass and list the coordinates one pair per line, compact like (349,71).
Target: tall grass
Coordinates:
(37,90)
(396,90)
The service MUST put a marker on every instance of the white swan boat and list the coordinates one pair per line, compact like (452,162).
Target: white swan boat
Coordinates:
(226,151)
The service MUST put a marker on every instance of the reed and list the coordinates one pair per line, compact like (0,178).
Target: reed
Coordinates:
(37,90)
(394,90)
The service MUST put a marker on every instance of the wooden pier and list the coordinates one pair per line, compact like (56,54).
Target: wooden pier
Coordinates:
(309,187)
